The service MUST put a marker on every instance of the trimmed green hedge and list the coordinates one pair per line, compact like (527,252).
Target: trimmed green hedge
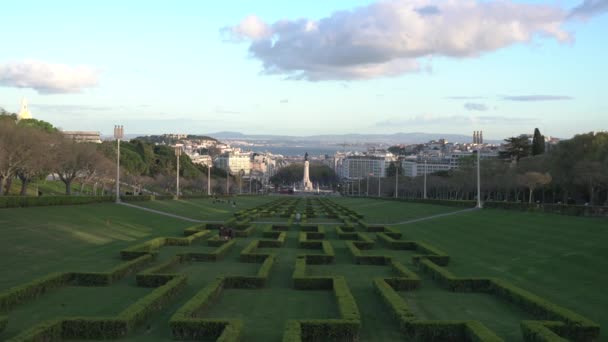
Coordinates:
(34,289)
(114,274)
(249,282)
(186,326)
(538,331)
(40,201)
(156,276)
(574,326)
(104,327)
(249,253)
(359,258)
(426,330)
(279,242)
(327,257)
(215,255)
(344,329)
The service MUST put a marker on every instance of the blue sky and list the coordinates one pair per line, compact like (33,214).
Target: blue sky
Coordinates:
(303,68)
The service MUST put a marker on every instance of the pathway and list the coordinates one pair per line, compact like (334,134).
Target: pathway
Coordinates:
(322,223)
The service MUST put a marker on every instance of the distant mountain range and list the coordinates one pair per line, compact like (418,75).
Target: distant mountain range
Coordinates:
(395,138)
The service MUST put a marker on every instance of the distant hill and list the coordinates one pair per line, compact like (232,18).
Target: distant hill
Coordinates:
(396,138)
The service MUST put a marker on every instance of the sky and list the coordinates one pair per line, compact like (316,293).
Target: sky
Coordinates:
(309,67)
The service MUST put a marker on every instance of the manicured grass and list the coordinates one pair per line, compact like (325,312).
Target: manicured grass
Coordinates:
(205,209)
(389,212)
(40,240)
(432,302)
(562,259)
(74,301)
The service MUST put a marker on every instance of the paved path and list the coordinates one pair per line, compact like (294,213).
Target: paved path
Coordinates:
(433,216)
(165,213)
(323,223)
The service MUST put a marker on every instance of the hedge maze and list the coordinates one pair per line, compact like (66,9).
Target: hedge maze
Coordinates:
(332,277)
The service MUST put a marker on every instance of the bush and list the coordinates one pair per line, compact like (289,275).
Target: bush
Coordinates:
(34,289)
(248,282)
(215,255)
(185,326)
(114,274)
(104,327)
(32,201)
(538,331)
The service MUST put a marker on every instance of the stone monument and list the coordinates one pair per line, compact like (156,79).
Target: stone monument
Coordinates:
(306,181)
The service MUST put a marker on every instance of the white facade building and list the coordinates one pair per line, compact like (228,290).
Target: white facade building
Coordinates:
(235,162)
(358,167)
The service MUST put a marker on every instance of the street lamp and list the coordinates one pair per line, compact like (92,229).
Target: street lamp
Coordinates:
(178,153)
(425,171)
(209,180)
(367,185)
(379,185)
(478,178)
(241,174)
(118,134)
(227,180)
(397,179)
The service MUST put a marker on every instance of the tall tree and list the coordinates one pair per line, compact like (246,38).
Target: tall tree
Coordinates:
(517,147)
(532,180)
(538,143)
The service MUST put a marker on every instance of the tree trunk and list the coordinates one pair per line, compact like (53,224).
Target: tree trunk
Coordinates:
(68,186)
(24,183)
(531,192)
(1,186)
(7,185)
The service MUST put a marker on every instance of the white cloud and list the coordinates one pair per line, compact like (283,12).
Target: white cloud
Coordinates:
(475,106)
(387,38)
(251,27)
(47,78)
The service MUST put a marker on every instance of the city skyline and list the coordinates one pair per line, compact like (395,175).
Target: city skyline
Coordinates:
(263,67)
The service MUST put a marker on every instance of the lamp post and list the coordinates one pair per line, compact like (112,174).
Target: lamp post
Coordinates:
(397,179)
(208,180)
(241,174)
(118,134)
(379,185)
(227,180)
(359,186)
(367,186)
(478,178)
(178,153)
(425,171)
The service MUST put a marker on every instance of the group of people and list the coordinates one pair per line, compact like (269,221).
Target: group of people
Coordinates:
(226,233)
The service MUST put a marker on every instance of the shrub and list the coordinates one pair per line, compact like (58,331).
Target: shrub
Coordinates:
(215,255)
(538,331)
(34,289)
(32,201)
(114,274)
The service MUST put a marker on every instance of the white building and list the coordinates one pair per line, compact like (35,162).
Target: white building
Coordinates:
(204,159)
(234,161)
(83,136)
(414,165)
(358,167)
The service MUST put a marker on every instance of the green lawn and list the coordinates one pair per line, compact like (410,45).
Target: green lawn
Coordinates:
(379,211)
(40,240)
(560,258)
(205,209)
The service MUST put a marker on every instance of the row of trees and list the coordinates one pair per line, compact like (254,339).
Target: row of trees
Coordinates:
(31,150)
(573,171)
(294,173)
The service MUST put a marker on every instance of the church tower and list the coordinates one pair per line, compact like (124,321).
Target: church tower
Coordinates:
(24,112)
